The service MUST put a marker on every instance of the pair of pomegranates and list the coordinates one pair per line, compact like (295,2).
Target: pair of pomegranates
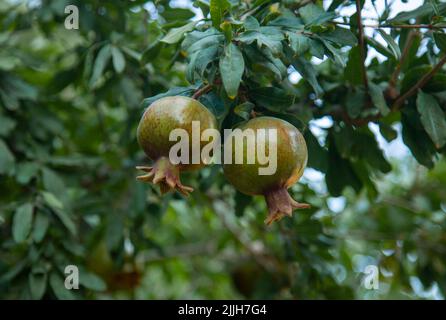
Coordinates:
(178,112)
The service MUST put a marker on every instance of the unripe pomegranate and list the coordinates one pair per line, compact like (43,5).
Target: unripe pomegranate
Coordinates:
(291,161)
(157,122)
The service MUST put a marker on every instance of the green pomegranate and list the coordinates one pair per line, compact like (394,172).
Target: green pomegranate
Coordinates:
(291,161)
(157,122)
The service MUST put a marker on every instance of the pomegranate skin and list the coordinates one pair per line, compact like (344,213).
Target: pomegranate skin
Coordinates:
(292,156)
(155,126)
(167,114)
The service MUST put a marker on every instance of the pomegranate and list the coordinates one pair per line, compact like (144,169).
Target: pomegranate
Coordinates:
(291,161)
(157,122)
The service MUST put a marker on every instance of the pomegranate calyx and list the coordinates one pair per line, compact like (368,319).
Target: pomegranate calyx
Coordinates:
(281,204)
(166,175)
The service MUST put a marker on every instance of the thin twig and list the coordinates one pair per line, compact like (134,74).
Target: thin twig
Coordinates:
(202,91)
(361,46)
(420,84)
(396,26)
(394,77)
(406,49)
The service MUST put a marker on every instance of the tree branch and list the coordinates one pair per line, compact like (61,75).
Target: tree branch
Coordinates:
(202,91)
(406,49)
(396,26)
(361,46)
(420,84)
(394,77)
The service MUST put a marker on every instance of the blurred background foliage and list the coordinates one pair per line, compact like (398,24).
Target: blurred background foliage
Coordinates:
(70,101)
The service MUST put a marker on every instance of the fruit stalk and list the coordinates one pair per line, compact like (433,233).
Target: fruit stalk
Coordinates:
(281,204)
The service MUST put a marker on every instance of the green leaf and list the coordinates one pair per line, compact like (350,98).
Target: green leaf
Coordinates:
(37,284)
(314,15)
(433,118)
(272,98)
(264,58)
(52,200)
(52,182)
(100,63)
(232,66)
(22,222)
(392,44)
(387,132)
(6,125)
(368,149)
(317,155)
(244,110)
(176,34)
(41,224)
(417,140)
(298,42)
(91,281)
(355,103)
(26,171)
(118,59)
(217,9)
(353,70)
(287,116)
(17,268)
(340,36)
(58,287)
(333,53)
(422,11)
(440,41)
(175,91)
(151,52)
(317,48)
(385,51)
(199,40)
(288,21)
(226,27)
(270,37)
(242,201)
(58,208)
(7,159)
(340,173)
(251,23)
(214,103)
(377,95)
(436,84)
(307,71)
(199,62)
(177,14)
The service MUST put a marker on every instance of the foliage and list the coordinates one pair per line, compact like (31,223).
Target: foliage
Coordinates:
(70,101)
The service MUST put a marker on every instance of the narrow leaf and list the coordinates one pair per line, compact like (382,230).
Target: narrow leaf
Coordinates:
(307,71)
(6,159)
(392,44)
(100,63)
(58,287)
(22,222)
(377,95)
(440,41)
(217,8)
(298,42)
(176,34)
(232,66)
(433,118)
(118,59)
(37,284)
